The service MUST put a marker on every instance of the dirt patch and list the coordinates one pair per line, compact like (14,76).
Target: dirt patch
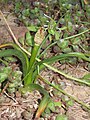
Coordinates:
(5,35)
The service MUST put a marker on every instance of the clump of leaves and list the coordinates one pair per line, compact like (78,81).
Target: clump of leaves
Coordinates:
(13,77)
(60,19)
(31,68)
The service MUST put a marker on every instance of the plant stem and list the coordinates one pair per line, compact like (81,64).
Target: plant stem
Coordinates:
(43,42)
(28,78)
(58,41)
(73,36)
(50,45)
(33,55)
(62,91)
(67,76)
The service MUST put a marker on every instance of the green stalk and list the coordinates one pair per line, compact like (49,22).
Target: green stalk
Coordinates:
(65,56)
(43,42)
(43,64)
(33,55)
(58,41)
(39,36)
(65,75)
(42,106)
(50,45)
(62,91)
(29,79)
(73,36)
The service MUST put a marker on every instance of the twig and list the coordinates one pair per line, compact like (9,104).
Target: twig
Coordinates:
(10,97)
(16,41)
(5,87)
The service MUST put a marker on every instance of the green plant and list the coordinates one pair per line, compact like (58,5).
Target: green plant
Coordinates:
(28,67)
(30,73)
(62,36)
(61,20)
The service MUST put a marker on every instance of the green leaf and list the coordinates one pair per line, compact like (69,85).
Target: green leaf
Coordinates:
(3,77)
(76,40)
(21,40)
(17,75)
(62,21)
(67,50)
(67,17)
(32,28)
(70,26)
(87,76)
(50,37)
(72,61)
(61,117)
(51,31)
(29,39)
(76,48)
(70,103)
(6,70)
(10,59)
(12,85)
(63,44)
(51,27)
(79,14)
(35,10)
(51,106)
(59,104)
(18,5)
(57,35)
(11,90)
(26,12)
(4,73)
